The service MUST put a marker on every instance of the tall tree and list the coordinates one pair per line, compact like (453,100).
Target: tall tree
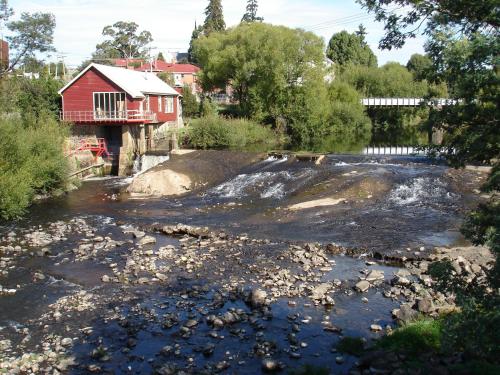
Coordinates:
(214,20)
(31,34)
(361,32)
(125,40)
(345,48)
(160,57)
(251,12)
(198,30)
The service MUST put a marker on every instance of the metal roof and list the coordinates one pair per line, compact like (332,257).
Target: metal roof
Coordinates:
(134,83)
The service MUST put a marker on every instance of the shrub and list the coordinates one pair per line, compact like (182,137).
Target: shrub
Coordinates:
(190,105)
(213,132)
(421,336)
(31,162)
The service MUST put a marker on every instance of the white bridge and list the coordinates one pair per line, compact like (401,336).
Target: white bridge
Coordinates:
(406,102)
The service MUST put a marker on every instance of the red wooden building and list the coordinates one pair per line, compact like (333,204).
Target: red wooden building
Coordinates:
(129,109)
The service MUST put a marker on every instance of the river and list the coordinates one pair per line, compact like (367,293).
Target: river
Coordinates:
(85,288)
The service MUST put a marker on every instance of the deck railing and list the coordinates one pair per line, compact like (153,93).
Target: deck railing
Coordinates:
(108,116)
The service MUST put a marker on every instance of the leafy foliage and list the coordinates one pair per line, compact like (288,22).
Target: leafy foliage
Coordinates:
(31,162)
(349,127)
(277,75)
(345,48)
(220,133)
(31,34)
(462,15)
(391,125)
(31,142)
(190,106)
(420,66)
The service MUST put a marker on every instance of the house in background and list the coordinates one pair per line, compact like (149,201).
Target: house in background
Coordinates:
(128,109)
(184,74)
(131,63)
(4,54)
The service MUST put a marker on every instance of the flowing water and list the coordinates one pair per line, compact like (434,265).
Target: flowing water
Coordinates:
(378,206)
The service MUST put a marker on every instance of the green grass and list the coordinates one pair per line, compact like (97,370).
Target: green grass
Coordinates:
(351,345)
(421,336)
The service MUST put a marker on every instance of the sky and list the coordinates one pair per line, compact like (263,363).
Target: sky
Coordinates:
(171,22)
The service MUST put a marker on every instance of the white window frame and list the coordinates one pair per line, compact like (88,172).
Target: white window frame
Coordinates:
(108,115)
(160,102)
(169,104)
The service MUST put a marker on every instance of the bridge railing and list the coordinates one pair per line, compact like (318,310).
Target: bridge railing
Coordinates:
(407,102)
(395,150)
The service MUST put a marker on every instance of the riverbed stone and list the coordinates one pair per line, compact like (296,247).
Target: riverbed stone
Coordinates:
(375,275)
(258,297)
(319,292)
(425,305)
(362,286)
(405,313)
(146,240)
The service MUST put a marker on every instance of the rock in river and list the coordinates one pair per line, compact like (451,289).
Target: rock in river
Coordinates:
(258,297)
(147,240)
(362,286)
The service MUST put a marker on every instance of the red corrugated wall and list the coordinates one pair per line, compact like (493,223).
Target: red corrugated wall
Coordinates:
(79,96)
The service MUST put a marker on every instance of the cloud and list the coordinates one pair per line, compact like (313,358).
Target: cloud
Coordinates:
(80,22)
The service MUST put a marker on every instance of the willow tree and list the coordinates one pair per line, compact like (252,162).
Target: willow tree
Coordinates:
(276,74)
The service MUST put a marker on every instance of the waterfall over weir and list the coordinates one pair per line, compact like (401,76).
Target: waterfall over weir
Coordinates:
(148,161)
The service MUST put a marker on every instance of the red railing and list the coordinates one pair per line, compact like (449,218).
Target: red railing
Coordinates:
(97,146)
(108,116)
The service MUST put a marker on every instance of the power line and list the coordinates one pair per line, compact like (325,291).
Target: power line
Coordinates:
(358,17)
(335,24)
(334,20)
